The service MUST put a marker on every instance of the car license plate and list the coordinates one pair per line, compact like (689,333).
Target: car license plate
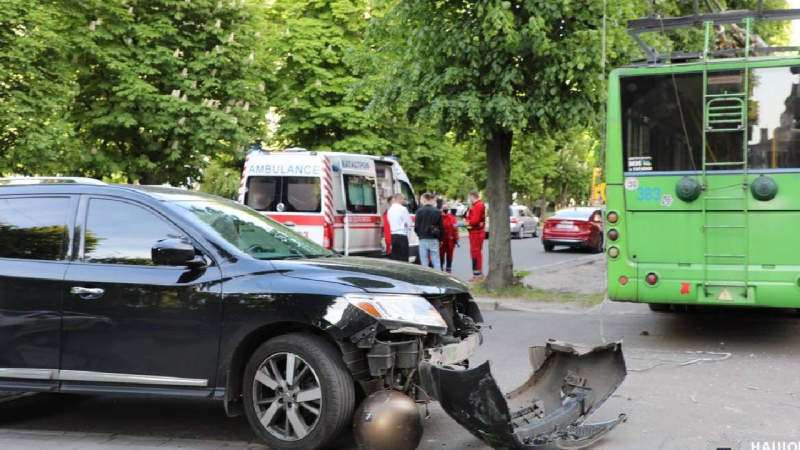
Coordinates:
(565,225)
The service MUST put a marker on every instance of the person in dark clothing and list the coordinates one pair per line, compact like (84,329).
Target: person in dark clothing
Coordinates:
(428,226)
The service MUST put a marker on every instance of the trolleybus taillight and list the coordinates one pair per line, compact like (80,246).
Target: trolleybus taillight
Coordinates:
(613,235)
(613,252)
(613,217)
(651,279)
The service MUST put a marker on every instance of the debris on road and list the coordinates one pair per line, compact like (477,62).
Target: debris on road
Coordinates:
(569,383)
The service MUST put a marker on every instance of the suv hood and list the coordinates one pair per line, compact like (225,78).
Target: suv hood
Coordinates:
(373,275)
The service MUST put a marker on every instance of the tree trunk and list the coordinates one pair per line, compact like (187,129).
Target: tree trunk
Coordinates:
(563,199)
(543,200)
(498,195)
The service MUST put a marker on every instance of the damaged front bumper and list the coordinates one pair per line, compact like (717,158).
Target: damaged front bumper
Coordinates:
(568,384)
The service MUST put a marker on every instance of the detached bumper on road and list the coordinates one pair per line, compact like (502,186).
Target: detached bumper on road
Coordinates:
(568,384)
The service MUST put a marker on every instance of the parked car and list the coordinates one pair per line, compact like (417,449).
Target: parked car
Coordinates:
(522,221)
(167,292)
(580,227)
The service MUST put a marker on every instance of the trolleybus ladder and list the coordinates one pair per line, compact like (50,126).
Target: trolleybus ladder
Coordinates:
(725,113)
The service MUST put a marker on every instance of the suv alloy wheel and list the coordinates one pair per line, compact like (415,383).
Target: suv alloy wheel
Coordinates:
(298,394)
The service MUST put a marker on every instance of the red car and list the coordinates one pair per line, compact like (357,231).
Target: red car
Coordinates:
(575,228)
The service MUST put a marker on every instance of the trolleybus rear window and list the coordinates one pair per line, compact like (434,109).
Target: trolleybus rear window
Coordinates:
(662,121)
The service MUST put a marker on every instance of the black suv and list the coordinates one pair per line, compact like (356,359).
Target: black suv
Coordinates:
(163,291)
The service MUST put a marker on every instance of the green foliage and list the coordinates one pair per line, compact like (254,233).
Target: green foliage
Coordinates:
(221,177)
(36,87)
(480,66)
(315,48)
(164,83)
(146,90)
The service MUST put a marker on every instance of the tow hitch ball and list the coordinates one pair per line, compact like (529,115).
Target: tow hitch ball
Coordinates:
(568,384)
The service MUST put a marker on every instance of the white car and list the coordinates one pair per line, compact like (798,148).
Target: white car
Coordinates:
(521,220)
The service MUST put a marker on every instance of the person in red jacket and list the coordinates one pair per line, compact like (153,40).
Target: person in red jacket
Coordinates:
(387,229)
(450,238)
(476,223)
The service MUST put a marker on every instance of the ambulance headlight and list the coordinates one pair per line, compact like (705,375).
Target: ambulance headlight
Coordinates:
(397,311)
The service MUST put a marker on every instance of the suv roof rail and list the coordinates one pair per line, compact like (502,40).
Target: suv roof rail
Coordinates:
(19,181)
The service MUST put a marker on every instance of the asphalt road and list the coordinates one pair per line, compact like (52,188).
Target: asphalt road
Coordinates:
(526,253)
(675,399)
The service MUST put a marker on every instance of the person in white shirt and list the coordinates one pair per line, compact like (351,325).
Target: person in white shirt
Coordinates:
(399,224)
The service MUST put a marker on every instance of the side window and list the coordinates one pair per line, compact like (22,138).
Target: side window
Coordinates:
(360,194)
(411,201)
(34,228)
(123,233)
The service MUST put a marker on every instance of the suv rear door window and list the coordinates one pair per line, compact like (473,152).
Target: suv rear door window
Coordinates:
(284,194)
(360,194)
(123,233)
(34,228)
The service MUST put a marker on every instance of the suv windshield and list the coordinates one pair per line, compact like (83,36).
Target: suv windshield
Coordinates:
(249,231)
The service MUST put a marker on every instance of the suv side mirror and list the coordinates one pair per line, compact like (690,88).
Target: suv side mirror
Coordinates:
(176,252)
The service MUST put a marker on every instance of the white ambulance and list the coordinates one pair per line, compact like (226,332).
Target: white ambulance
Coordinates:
(335,199)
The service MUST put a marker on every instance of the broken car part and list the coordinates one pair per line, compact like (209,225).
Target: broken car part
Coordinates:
(568,384)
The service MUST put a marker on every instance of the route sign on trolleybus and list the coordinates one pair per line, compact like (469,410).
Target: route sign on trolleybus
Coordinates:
(703,168)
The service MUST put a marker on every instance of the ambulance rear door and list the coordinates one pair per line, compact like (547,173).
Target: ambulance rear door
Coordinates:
(287,187)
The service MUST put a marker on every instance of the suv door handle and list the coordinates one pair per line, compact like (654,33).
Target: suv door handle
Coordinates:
(87,292)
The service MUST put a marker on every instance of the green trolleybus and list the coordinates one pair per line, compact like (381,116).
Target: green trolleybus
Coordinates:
(703,171)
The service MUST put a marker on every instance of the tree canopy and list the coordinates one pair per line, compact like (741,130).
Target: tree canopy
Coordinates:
(145,89)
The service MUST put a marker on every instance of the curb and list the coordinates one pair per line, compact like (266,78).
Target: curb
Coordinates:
(561,263)
(485,304)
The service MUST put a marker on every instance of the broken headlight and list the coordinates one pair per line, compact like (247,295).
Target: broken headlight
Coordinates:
(396,311)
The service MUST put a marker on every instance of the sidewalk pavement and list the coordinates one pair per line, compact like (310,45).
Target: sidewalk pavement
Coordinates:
(585,275)
(59,440)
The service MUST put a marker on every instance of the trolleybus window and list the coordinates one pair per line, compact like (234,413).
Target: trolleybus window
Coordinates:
(663,117)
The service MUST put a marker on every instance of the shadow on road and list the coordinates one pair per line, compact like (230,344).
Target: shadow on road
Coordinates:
(171,418)
(755,329)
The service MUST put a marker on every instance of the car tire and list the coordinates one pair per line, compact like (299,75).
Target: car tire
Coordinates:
(599,247)
(311,412)
(660,307)
(549,247)
(535,231)
(521,232)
